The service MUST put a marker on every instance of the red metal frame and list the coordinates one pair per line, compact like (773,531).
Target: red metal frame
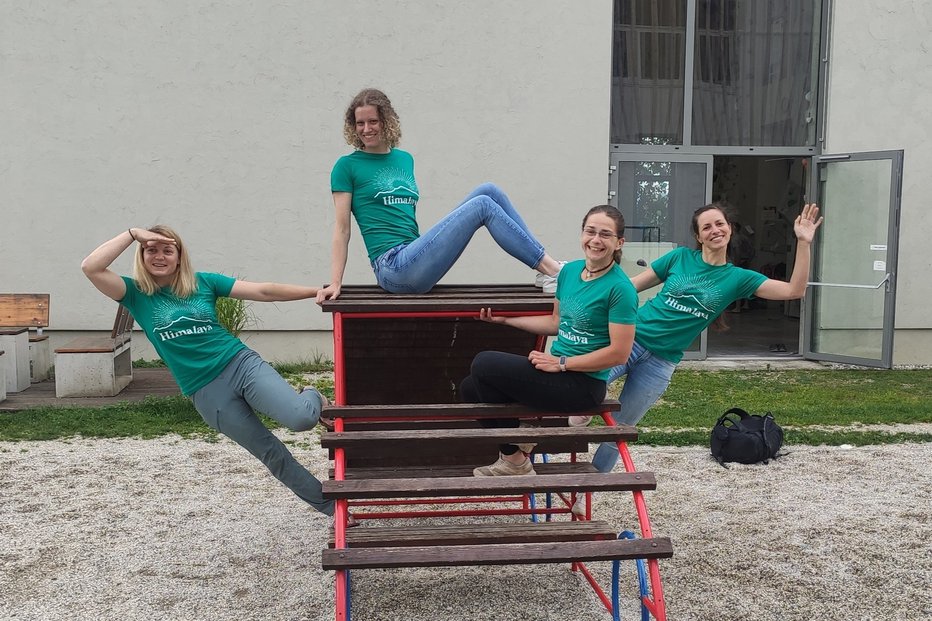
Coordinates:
(655,606)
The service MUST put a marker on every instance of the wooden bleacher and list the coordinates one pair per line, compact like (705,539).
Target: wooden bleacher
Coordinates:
(400,437)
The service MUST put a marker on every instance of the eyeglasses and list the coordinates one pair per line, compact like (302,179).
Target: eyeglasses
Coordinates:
(591,232)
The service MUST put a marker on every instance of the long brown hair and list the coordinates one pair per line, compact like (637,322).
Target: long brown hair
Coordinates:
(183,282)
(720,323)
(391,124)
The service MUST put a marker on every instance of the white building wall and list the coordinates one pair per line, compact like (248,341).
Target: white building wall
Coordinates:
(224,119)
(879,98)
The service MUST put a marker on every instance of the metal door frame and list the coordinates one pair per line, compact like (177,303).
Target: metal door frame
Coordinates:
(889,279)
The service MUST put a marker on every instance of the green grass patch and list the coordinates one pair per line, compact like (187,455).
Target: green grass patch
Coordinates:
(151,418)
(802,401)
(795,397)
(700,437)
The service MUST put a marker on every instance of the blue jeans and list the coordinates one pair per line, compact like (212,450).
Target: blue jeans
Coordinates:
(647,378)
(248,383)
(418,266)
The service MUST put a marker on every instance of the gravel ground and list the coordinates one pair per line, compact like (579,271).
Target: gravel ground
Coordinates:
(186,529)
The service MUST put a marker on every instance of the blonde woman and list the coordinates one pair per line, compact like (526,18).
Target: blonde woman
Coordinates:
(227,381)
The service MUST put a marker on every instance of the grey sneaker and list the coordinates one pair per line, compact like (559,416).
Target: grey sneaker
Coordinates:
(578,421)
(502,468)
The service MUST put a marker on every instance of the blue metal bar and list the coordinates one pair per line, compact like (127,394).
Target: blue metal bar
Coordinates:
(642,582)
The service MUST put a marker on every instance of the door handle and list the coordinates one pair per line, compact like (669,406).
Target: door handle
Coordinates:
(848,286)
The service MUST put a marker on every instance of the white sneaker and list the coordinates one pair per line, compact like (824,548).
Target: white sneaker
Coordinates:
(578,421)
(504,468)
(548,283)
(579,507)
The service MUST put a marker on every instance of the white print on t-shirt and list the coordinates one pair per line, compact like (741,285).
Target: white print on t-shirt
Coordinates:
(396,182)
(576,325)
(694,294)
(166,313)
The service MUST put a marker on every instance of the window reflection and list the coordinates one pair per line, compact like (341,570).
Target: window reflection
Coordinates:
(755,72)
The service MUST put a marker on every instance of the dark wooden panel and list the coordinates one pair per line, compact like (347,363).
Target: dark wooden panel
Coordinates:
(420,360)
(447,454)
(505,554)
(456,298)
(514,435)
(446,411)
(398,471)
(477,534)
(488,486)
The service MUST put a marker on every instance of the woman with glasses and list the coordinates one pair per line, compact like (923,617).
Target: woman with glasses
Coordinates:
(376,185)
(698,285)
(593,321)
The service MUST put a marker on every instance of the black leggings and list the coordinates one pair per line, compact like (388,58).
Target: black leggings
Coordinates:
(498,377)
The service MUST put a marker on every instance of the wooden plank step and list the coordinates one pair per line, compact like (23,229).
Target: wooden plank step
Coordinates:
(477,534)
(511,435)
(450,452)
(450,411)
(455,470)
(488,486)
(504,554)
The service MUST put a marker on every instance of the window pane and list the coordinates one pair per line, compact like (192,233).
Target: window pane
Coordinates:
(756,72)
(648,60)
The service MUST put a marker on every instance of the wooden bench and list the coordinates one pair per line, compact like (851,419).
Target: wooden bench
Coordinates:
(396,453)
(96,366)
(29,359)
(404,447)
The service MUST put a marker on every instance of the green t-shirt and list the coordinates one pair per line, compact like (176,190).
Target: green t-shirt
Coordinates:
(694,293)
(587,307)
(385,197)
(185,331)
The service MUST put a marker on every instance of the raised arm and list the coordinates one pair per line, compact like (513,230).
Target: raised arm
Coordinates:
(645,280)
(342,203)
(271,291)
(96,265)
(805,228)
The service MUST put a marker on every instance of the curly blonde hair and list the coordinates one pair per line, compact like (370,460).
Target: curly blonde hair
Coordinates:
(183,283)
(391,124)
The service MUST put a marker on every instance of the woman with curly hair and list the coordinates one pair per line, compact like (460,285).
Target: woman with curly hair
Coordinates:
(376,185)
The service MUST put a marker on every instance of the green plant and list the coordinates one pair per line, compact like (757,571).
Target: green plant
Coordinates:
(157,363)
(234,315)
(314,364)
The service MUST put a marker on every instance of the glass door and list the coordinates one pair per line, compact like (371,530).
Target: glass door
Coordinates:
(850,301)
(657,196)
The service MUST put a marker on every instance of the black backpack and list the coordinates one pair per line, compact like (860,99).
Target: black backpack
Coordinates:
(745,438)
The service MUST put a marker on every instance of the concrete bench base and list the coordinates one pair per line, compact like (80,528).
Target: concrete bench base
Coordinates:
(2,379)
(98,373)
(15,342)
(40,358)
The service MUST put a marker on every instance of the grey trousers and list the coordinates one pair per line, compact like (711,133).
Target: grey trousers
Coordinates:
(248,385)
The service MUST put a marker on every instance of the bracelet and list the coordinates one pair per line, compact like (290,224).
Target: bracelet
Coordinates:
(130,231)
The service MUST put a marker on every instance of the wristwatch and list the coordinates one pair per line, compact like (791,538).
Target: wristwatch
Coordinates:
(562,363)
